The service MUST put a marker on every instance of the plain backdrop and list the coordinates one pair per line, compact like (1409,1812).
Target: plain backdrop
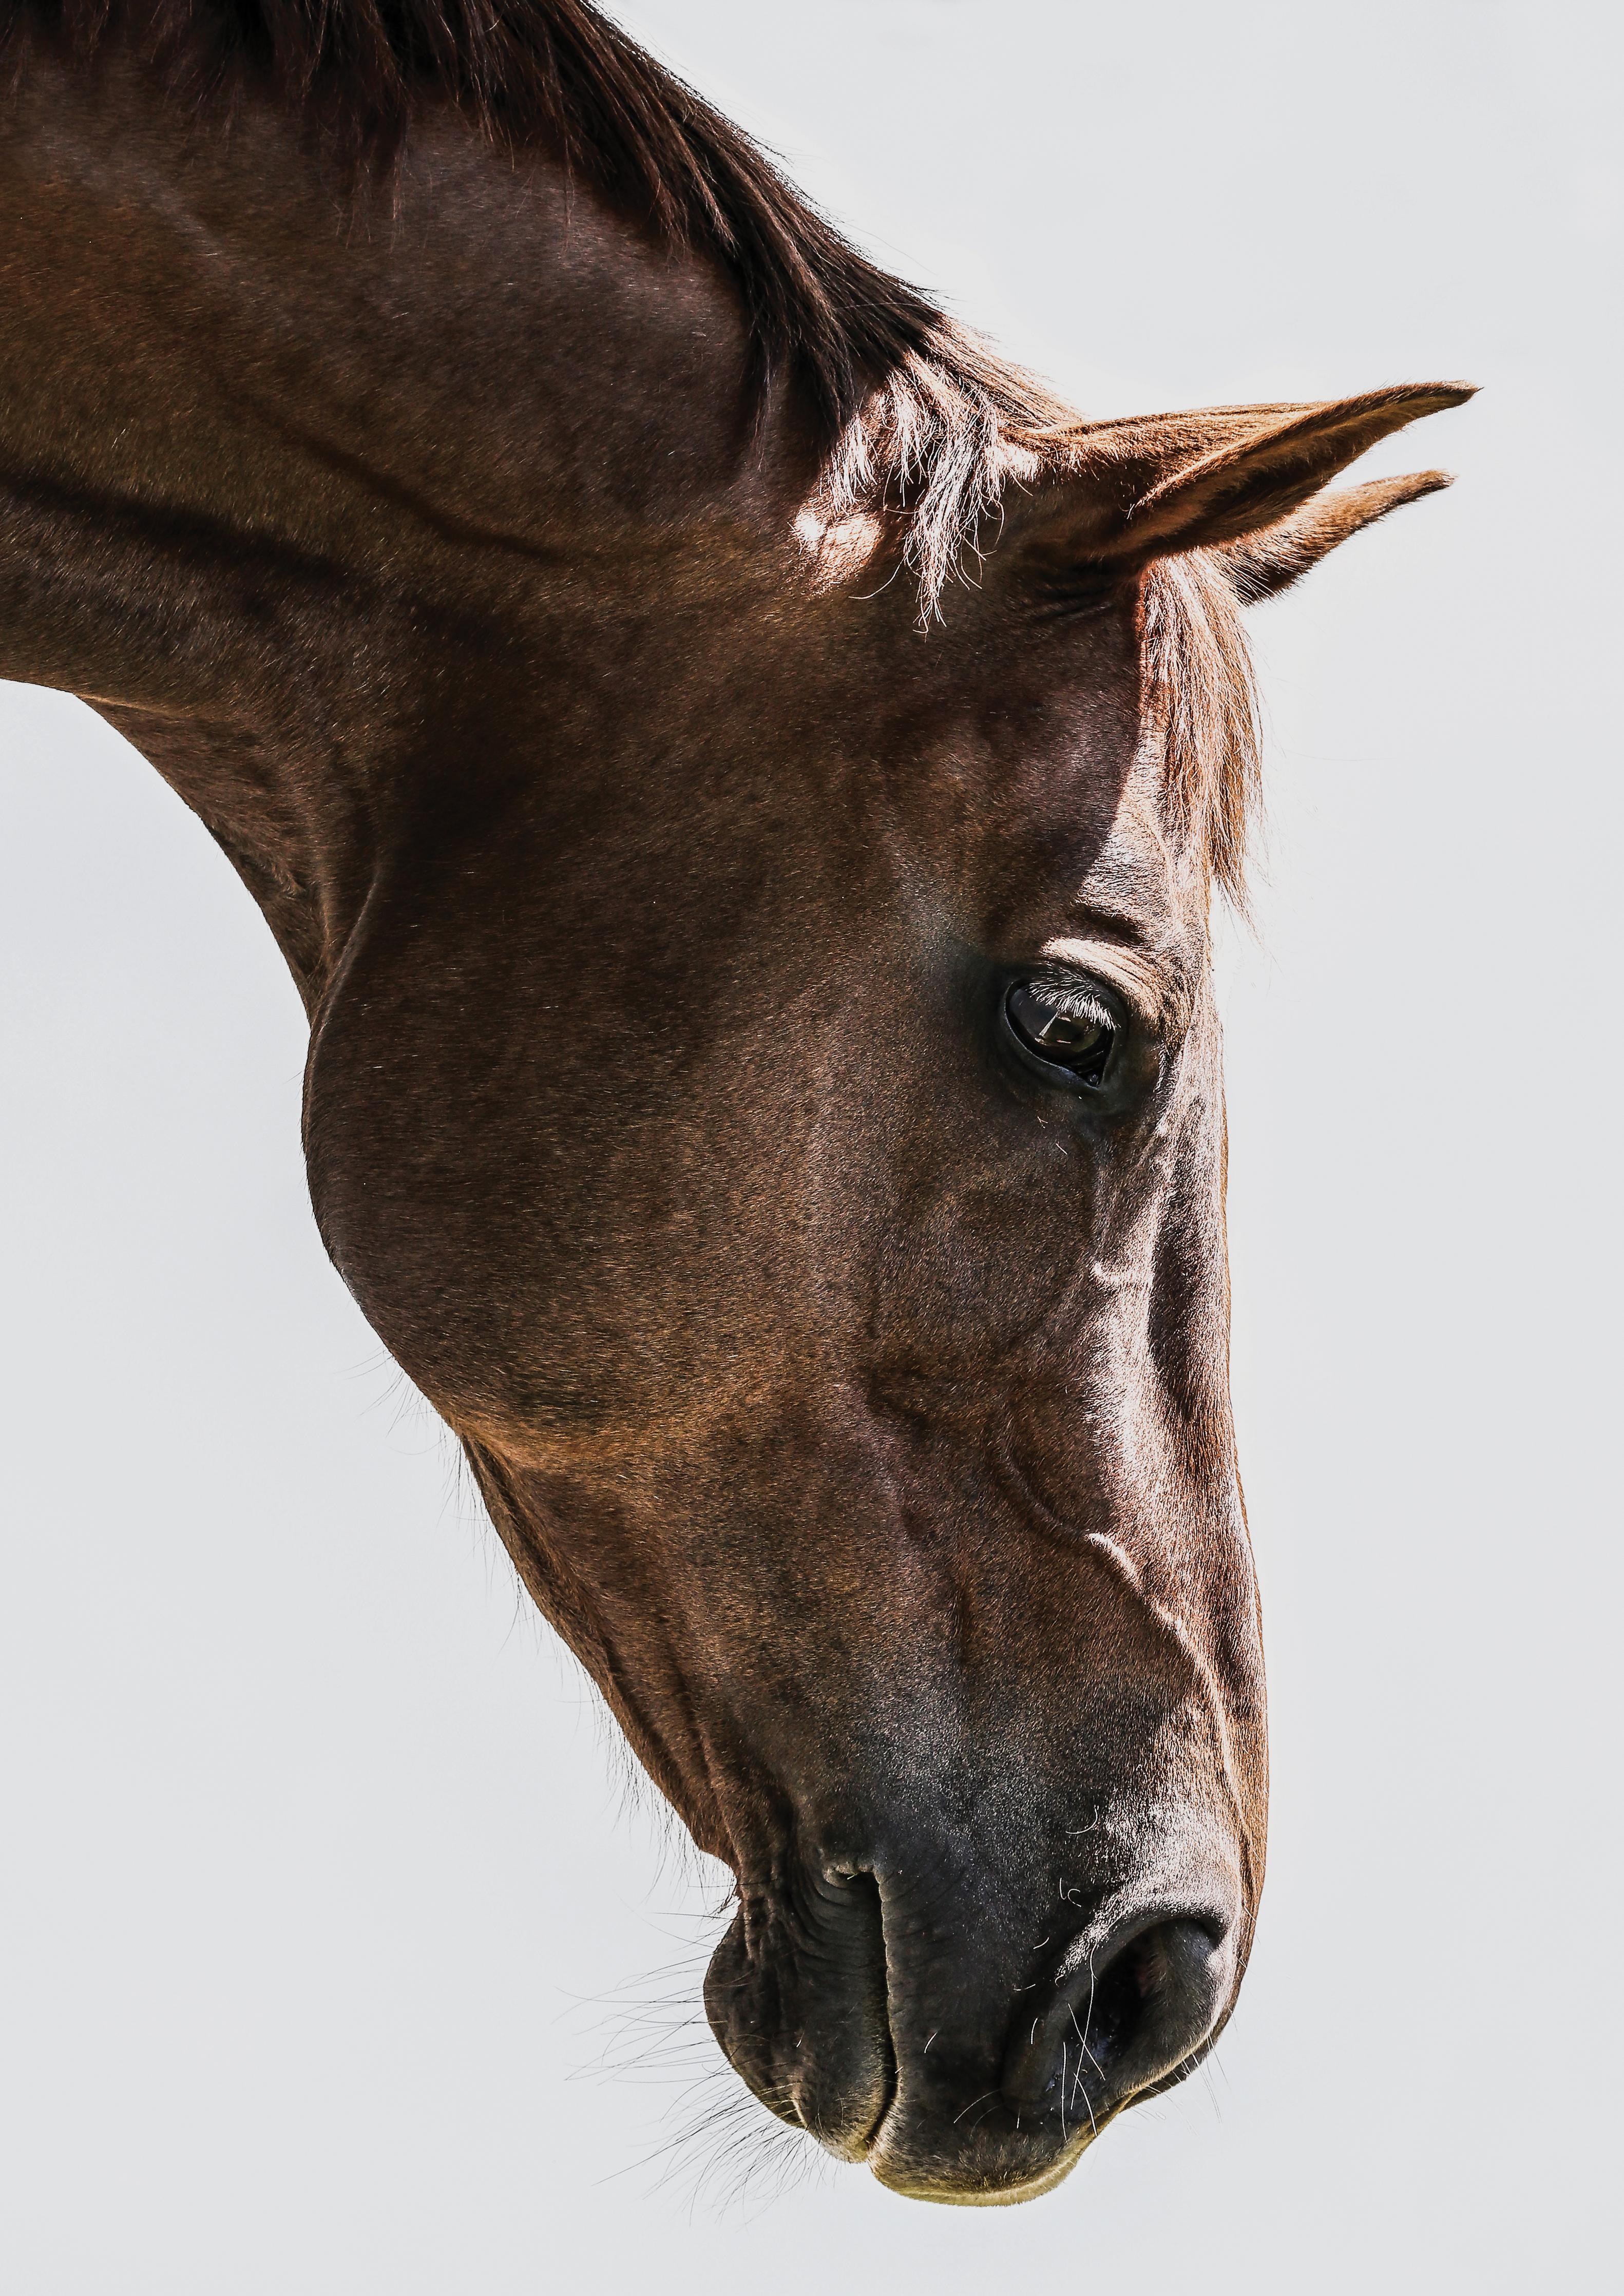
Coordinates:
(319,1903)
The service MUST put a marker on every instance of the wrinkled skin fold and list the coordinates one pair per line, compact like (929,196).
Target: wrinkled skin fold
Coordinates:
(658,848)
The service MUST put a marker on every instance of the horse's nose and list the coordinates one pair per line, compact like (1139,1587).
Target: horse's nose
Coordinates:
(1125,2012)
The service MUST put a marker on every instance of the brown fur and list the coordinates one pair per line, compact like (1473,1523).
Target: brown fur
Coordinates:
(532,565)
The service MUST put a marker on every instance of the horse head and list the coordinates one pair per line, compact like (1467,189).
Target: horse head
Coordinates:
(801,1181)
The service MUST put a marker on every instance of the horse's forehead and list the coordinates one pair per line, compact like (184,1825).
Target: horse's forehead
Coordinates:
(1074,838)
(1133,859)
(1141,871)
(1037,797)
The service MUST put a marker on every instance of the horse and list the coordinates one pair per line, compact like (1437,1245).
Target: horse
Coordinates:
(739,774)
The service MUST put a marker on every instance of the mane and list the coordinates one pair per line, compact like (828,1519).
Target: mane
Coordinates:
(1198,675)
(916,414)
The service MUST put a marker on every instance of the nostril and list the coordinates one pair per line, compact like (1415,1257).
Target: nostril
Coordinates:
(1118,2000)
(798,1999)
(1121,2018)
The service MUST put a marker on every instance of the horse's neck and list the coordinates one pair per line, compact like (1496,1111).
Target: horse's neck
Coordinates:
(294,488)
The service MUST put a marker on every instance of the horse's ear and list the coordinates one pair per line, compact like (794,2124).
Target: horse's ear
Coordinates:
(1267,562)
(1120,494)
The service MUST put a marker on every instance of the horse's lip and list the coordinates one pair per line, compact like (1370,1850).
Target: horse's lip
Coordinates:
(959,2181)
(913,2185)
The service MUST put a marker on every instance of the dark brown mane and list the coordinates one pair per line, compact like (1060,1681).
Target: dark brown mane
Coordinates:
(557,72)
(915,412)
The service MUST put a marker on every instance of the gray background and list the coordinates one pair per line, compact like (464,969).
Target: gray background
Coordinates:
(314,1866)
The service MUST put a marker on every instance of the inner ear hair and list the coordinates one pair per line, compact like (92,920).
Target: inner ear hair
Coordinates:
(1261,565)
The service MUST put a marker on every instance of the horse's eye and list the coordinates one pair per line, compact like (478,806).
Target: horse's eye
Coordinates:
(1066,1028)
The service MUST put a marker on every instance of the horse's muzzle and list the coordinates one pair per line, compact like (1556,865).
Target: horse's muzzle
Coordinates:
(992,2104)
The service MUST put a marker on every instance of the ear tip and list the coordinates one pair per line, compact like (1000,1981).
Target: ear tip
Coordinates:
(1377,497)
(1413,402)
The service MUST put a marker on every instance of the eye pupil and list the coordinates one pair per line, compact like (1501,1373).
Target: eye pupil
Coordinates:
(1078,1041)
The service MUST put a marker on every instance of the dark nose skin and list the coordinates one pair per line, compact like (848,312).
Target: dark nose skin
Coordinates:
(1124,2015)
(953,2070)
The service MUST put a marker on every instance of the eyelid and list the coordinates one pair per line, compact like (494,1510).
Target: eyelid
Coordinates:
(1135,980)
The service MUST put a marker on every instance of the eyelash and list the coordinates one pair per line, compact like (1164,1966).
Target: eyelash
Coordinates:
(1075,1001)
